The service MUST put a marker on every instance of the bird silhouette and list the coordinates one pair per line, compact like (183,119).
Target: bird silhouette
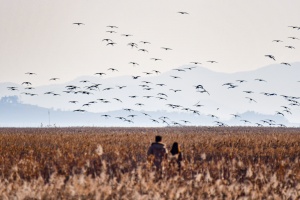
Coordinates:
(212,61)
(270,56)
(79,110)
(155,59)
(111,26)
(133,63)
(183,13)
(161,84)
(248,92)
(126,35)
(251,100)
(179,70)
(246,121)
(12,88)
(290,47)
(166,48)
(260,80)
(295,27)
(53,79)
(285,63)
(128,109)
(145,42)
(132,44)
(185,121)
(196,63)
(277,41)
(121,87)
(136,77)
(113,69)
(100,73)
(241,81)
(294,38)
(189,68)
(117,100)
(111,31)
(279,113)
(30,73)
(79,23)
(111,43)
(107,40)
(26,83)
(174,90)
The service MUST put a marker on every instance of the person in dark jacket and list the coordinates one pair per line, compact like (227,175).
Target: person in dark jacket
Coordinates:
(158,151)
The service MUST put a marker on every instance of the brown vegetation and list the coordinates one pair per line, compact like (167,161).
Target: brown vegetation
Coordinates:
(111,163)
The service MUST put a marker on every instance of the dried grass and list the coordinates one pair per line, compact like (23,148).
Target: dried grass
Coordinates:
(111,163)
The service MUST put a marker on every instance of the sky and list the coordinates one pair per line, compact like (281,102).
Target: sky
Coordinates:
(40,37)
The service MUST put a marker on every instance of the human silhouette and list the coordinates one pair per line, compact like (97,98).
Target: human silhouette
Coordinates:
(157,153)
(176,156)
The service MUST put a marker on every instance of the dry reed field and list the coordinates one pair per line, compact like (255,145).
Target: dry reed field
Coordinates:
(111,163)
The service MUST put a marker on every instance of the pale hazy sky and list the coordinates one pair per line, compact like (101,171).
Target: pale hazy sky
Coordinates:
(39,36)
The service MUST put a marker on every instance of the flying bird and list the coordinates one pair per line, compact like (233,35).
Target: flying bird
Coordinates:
(111,43)
(126,35)
(294,38)
(30,73)
(251,99)
(133,63)
(260,80)
(270,56)
(189,68)
(196,63)
(132,45)
(111,31)
(26,83)
(285,63)
(155,59)
(117,100)
(107,40)
(144,50)
(54,79)
(110,26)
(79,23)
(212,61)
(145,42)
(183,13)
(79,110)
(113,69)
(100,73)
(276,41)
(290,47)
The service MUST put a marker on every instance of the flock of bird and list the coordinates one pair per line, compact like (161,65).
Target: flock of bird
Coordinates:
(86,87)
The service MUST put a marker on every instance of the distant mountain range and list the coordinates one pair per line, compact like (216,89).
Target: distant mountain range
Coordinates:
(191,93)
(15,114)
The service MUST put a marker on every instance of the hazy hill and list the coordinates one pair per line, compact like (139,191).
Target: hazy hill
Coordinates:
(220,100)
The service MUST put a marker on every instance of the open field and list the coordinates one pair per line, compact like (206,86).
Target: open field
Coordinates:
(111,163)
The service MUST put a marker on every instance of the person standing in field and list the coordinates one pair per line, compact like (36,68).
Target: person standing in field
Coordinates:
(159,152)
(176,156)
